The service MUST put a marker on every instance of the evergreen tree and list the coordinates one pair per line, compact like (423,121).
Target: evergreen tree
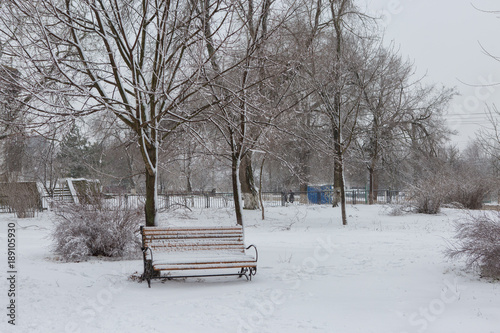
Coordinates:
(77,156)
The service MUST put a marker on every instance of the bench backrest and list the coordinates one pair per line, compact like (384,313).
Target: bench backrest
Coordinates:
(172,239)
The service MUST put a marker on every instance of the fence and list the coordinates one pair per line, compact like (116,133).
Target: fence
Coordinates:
(225,200)
(168,201)
(270,199)
(326,197)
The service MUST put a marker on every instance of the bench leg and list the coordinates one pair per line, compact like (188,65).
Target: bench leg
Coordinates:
(253,271)
(148,272)
(242,272)
(248,272)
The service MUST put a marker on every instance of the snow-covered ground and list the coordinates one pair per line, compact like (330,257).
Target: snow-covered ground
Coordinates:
(379,274)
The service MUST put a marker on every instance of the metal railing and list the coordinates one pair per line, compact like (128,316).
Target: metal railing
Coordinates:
(269,199)
(225,200)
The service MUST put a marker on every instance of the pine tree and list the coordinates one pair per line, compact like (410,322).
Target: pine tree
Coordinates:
(77,155)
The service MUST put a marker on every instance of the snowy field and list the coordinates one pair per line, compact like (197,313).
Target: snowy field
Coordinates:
(379,274)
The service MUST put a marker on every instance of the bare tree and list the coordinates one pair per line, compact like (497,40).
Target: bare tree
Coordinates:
(298,50)
(237,75)
(335,106)
(139,60)
(394,104)
(322,41)
(41,162)
(119,159)
(489,137)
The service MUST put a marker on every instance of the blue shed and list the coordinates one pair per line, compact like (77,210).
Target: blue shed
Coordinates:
(320,194)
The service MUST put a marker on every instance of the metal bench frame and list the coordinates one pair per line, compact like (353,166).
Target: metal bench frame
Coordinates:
(209,240)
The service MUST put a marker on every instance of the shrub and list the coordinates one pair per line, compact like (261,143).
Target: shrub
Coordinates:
(95,229)
(397,209)
(469,190)
(464,184)
(427,204)
(478,242)
(427,196)
(22,198)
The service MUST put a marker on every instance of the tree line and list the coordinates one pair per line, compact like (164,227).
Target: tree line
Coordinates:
(157,95)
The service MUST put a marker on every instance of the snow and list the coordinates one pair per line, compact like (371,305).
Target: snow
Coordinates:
(380,273)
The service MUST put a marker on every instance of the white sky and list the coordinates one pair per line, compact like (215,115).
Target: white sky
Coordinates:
(443,38)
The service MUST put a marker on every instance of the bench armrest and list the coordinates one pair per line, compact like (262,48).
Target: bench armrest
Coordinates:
(256,253)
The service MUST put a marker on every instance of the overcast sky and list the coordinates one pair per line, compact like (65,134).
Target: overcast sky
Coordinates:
(443,38)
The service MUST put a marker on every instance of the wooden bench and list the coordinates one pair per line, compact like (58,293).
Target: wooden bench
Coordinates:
(193,249)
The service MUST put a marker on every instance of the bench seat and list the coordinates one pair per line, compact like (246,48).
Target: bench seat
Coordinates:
(199,258)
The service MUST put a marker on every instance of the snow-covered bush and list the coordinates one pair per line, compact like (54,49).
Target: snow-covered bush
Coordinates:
(428,195)
(428,204)
(469,190)
(397,209)
(96,229)
(21,198)
(472,178)
(458,188)
(477,240)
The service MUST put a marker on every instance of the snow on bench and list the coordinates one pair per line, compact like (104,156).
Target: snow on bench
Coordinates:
(195,248)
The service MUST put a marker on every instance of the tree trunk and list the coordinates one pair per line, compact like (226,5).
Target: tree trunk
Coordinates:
(342,190)
(303,192)
(372,186)
(151,189)
(248,189)
(337,171)
(187,169)
(305,158)
(260,186)
(339,185)
(235,166)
